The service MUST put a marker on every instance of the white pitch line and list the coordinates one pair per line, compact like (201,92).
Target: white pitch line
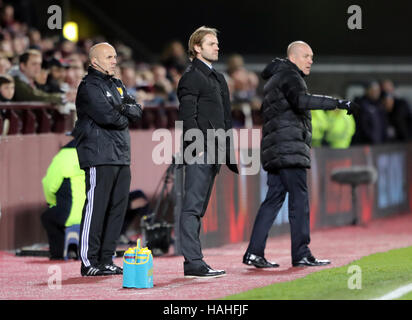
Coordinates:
(395,294)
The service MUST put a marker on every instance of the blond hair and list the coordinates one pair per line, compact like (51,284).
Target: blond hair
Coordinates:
(196,39)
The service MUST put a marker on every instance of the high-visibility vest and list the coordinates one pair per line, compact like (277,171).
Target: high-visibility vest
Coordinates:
(319,126)
(65,165)
(341,129)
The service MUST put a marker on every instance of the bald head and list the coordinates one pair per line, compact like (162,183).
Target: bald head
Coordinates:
(98,48)
(300,53)
(103,57)
(294,47)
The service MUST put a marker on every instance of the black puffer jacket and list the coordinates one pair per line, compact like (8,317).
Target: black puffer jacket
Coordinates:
(103,110)
(287,128)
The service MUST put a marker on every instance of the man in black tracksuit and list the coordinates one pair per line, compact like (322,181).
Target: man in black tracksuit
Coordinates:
(104,110)
(204,105)
(285,153)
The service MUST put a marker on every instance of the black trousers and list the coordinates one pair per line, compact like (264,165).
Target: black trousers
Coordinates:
(54,220)
(107,192)
(294,182)
(198,184)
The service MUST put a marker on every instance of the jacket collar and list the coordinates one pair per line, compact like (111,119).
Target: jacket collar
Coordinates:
(16,72)
(294,66)
(201,66)
(97,73)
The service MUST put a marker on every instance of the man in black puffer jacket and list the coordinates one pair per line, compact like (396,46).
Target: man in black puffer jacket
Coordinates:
(104,110)
(285,152)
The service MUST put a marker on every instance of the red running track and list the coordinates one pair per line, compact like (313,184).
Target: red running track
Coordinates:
(27,277)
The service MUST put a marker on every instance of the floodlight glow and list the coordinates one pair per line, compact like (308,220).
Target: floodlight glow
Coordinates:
(71,31)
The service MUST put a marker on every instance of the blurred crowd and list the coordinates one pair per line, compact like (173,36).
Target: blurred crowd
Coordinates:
(36,67)
(384,116)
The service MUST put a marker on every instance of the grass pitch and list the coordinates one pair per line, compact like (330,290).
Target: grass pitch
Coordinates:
(367,278)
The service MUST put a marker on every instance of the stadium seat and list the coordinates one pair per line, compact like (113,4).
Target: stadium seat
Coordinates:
(355,176)
(59,121)
(238,118)
(161,120)
(148,118)
(16,124)
(44,120)
(71,240)
(135,125)
(29,122)
(257,118)
(172,116)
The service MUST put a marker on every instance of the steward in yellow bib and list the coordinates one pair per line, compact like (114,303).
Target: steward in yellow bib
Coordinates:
(65,192)
(319,126)
(340,129)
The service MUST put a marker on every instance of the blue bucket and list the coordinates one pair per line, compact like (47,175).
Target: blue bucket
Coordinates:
(138,268)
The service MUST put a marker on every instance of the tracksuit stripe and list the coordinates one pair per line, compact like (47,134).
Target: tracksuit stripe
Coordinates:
(88,217)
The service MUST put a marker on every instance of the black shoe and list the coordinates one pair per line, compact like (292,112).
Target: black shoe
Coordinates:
(205,272)
(259,262)
(112,268)
(310,261)
(91,271)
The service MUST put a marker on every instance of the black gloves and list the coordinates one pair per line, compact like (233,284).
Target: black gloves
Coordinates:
(128,99)
(131,111)
(350,106)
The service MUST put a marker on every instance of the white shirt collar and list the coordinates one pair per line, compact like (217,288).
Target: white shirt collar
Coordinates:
(209,65)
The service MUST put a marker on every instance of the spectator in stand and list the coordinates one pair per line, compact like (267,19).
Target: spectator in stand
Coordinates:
(145,84)
(128,76)
(41,78)
(6,88)
(398,117)
(35,39)
(398,113)
(174,59)
(6,44)
(5,64)
(163,88)
(6,94)
(75,72)
(7,20)
(20,44)
(243,86)
(47,45)
(24,76)
(234,62)
(57,76)
(371,126)
(67,48)
(124,53)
